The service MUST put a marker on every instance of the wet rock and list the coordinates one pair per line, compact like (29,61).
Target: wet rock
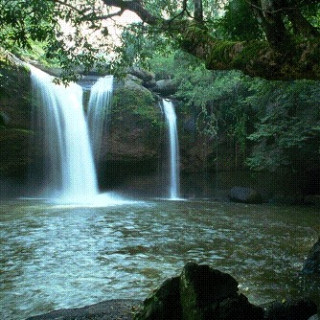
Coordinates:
(200,293)
(245,195)
(163,304)
(211,294)
(201,285)
(312,263)
(165,87)
(301,309)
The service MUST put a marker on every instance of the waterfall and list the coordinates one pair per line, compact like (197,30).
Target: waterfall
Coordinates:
(174,168)
(98,111)
(69,165)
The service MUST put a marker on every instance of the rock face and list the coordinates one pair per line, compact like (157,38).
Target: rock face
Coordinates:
(133,138)
(312,264)
(199,293)
(245,195)
(15,115)
(165,87)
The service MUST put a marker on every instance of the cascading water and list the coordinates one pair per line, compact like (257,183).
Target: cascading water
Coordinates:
(69,166)
(174,168)
(98,111)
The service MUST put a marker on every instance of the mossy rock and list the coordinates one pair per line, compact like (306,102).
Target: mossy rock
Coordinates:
(15,92)
(15,155)
(163,304)
(200,293)
(136,100)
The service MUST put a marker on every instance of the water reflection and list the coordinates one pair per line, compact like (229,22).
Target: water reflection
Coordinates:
(60,257)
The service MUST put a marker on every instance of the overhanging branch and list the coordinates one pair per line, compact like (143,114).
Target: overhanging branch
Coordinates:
(255,58)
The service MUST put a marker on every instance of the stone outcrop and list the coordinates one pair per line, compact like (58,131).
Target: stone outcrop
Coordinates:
(135,123)
(165,87)
(245,195)
(15,115)
(148,78)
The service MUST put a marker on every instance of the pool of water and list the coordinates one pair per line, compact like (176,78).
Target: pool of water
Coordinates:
(55,256)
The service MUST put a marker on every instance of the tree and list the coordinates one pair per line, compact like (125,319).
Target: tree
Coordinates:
(283,42)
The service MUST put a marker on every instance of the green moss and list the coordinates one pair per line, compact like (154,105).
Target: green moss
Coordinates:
(221,51)
(14,79)
(138,102)
(251,51)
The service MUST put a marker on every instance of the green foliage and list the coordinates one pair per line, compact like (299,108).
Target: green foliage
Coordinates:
(238,22)
(22,21)
(275,124)
(287,132)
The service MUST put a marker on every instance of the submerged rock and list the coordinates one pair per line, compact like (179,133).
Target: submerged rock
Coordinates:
(245,195)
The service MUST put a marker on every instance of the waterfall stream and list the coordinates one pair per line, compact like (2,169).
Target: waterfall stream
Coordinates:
(98,111)
(69,169)
(69,166)
(174,168)
(71,143)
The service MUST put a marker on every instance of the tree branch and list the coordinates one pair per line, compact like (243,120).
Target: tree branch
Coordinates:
(301,24)
(92,17)
(63,3)
(198,10)
(136,7)
(255,58)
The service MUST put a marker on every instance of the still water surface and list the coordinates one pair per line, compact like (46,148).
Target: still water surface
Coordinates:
(55,256)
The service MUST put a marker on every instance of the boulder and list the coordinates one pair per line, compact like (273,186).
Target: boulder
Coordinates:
(312,263)
(200,293)
(245,195)
(148,78)
(141,73)
(211,294)
(165,87)
(164,303)
(301,309)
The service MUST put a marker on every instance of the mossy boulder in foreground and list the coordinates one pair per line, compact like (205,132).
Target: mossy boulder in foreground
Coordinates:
(202,293)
